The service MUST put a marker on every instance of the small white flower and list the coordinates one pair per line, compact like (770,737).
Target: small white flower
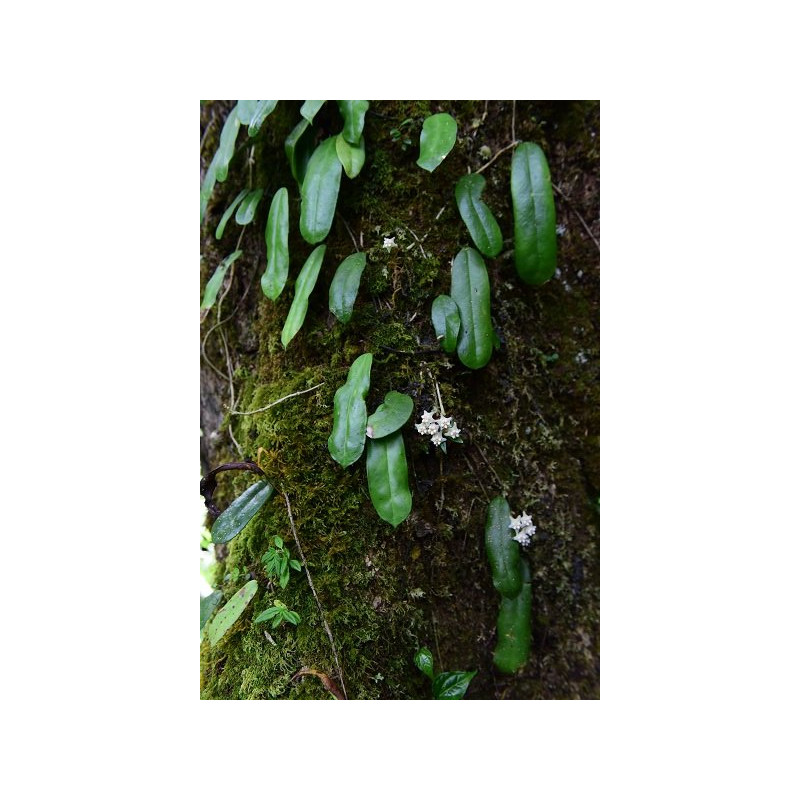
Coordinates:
(422,428)
(388,243)
(453,431)
(427,416)
(516,523)
(525,519)
(523,537)
(445,422)
(437,438)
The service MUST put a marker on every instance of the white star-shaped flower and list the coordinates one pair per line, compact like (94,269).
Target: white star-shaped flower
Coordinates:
(516,523)
(445,422)
(388,243)
(422,428)
(437,438)
(427,417)
(453,431)
(525,519)
(523,537)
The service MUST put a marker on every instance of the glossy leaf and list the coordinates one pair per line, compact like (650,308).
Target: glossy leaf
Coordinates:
(207,606)
(424,661)
(277,235)
(346,442)
(514,628)
(390,415)
(247,210)
(235,517)
(215,281)
(477,216)
(229,213)
(451,685)
(303,287)
(446,321)
(438,136)
(244,110)
(534,214)
(353,112)
(351,156)
(344,286)
(469,288)
(209,181)
(320,192)
(309,109)
(227,142)
(299,146)
(387,477)
(231,611)
(502,550)
(261,111)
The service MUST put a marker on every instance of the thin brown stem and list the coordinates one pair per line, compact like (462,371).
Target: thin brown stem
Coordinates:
(496,156)
(275,402)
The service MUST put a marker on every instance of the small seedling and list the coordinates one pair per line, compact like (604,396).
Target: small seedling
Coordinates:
(278,614)
(445,685)
(277,562)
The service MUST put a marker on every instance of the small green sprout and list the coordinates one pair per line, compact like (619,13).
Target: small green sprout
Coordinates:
(278,562)
(445,685)
(278,614)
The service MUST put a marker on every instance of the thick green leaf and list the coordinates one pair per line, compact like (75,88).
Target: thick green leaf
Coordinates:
(299,147)
(215,281)
(514,627)
(207,606)
(346,442)
(303,287)
(387,477)
(446,321)
(501,549)
(477,216)
(353,112)
(424,661)
(469,288)
(351,156)
(438,136)
(452,685)
(234,518)
(320,192)
(227,142)
(344,286)
(244,110)
(261,111)
(309,109)
(247,210)
(229,213)
(209,181)
(277,235)
(231,611)
(390,415)
(534,214)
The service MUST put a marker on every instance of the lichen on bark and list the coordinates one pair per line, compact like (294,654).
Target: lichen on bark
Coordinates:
(530,417)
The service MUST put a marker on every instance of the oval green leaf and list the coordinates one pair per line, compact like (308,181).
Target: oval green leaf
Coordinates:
(477,216)
(424,661)
(451,685)
(387,477)
(262,110)
(299,146)
(469,288)
(534,214)
(446,321)
(244,110)
(320,192)
(514,628)
(303,287)
(227,142)
(229,213)
(351,156)
(277,235)
(207,606)
(247,210)
(344,286)
(438,136)
(346,442)
(353,112)
(231,611)
(215,281)
(501,549)
(309,109)
(235,517)
(390,415)
(209,181)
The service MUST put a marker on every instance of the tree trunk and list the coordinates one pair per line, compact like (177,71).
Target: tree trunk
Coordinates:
(530,418)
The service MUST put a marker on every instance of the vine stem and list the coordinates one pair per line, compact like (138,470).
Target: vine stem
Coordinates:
(314,592)
(496,156)
(275,402)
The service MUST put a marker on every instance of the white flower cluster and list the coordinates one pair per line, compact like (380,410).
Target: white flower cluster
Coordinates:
(437,428)
(523,527)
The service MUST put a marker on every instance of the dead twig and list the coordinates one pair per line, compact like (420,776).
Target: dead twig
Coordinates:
(276,402)
(314,592)
(496,156)
(577,214)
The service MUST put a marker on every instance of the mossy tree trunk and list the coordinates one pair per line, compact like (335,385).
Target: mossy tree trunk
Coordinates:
(530,418)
